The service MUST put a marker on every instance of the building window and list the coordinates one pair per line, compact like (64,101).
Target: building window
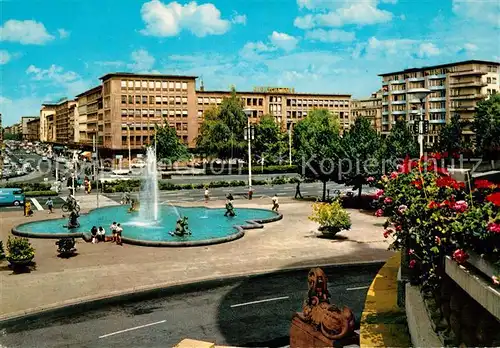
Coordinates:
(184,100)
(164,85)
(137,84)
(151,85)
(164,112)
(157,100)
(124,84)
(124,112)
(488,79)
(260,101)
(157,84)
(137,112)
(200,113)
(177,100)
(144,113)
(170,85)
(184,113)
(137,99)
(144,84)
(124,99)
(152,99)
(177,85)
(200,100)
(165,100)
(130,84)
(184,126)
(151,113)
(158,113)
(144,99)
(177,113)
(171,112)
(219,100)
(131,99)
(184,86)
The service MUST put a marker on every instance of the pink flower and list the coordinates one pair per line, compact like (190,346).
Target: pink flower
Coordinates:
(370,179)
(460,256)
(437,240)
(379,193)
(494,227)
(394,175)
(411,252)
(460,206)
(379,213)
(402,208)
(412,263)
(496,280)
(387,200)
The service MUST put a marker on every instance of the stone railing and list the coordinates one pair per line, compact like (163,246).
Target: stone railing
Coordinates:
(463,311)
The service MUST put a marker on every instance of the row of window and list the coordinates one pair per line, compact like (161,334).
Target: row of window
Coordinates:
(154,112)
(139,140)
(152,85)
(178,126)
(209,100)
(368,112)
(492,80)
(321,103)
(137,99)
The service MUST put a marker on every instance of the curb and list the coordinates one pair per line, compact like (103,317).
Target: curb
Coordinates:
(155,291)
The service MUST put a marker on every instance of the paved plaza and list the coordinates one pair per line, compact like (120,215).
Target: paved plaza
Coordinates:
(105,269)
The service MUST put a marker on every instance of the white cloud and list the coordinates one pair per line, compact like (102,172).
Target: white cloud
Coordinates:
(485,11)
(470,47)
(239,19)
(283,41)
(26,32)
(330,35)
(428,49)
(170,19)
(342,12)
(111,63)
(54,73)
(4,57)
(63,33)
(251,50)
(142,61)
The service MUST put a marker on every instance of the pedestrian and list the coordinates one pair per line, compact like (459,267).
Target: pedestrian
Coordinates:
(112,228)
(27,209)
(101,234)
(275,203)
(118,232)
(50,204)
(297,191)
(93,231)
(207,195)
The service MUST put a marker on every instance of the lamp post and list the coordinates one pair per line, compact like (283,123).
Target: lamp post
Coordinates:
(289,126)
(421,124)
(249,134)
(129,150)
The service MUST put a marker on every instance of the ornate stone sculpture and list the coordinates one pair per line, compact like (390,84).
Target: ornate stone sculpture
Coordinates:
(181,227)
(332,322)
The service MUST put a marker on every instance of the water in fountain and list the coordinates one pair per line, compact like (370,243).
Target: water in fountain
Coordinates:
(148,198)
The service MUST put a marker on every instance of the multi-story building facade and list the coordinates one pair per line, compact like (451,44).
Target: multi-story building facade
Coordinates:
(63,122)
(24,125)
(33,130)
(47,124)
(14,129)
(90,116)
(287,106)
(370,108)
(456,89)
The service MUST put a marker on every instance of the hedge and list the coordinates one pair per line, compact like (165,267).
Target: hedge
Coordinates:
(40,193)
(33,186)
(216,169)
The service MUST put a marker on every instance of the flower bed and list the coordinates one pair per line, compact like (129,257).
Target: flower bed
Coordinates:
(432,215)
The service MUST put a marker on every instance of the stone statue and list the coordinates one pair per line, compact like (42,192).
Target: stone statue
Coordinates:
(332,322)
(229,208)
(181,227)
(73,219)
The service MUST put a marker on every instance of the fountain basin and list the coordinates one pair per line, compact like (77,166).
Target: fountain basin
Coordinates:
(208,225)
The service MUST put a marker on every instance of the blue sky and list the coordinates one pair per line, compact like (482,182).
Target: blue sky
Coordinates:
(331,46)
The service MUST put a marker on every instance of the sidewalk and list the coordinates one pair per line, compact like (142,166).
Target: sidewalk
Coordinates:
(104,269)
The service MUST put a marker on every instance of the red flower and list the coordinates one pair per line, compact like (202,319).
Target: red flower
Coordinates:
(388,232)
(412,263)
(445,154)
(447,181)
(379,213)
(370,179)
(399,228)
(460,206)
(411,252)
(436,155)
(379,193)
(460,256)
(448,203)
(484,184)
(437,240)
(417,184)
(494,198)
(432,205)
(494,227)
(394,175)
(387,200)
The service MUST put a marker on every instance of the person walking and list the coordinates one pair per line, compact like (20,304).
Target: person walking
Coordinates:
(275,203)
(50,204)
(297,191)
(112,228)
(118,232)
(207,195)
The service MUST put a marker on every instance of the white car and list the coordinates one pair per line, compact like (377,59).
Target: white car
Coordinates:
(120,172)
(44,158)
(138,164)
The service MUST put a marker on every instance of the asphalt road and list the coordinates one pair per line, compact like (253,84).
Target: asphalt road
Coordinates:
(35,160)
(252,313)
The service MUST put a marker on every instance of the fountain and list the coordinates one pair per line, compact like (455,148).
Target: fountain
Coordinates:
(148,197)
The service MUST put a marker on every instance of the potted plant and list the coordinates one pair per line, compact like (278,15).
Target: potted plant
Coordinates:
(20,251)
(331,217)
(66,247)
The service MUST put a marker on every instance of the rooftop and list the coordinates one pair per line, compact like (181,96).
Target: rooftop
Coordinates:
(92,90)
(473,61)
(275,93)
(128,74)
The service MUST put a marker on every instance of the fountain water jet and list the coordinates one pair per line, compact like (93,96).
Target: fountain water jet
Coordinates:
(148,197)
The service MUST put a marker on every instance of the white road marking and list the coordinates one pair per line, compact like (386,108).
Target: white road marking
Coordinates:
(37,205)
(133,328)
(358,288)
(260,301)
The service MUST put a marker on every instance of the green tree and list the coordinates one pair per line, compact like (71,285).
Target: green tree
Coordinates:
(316,140)
(487,126)
(269,140)
(11,136)
(169,147)
(221,133)
(361,146)
(450,136)
(398,145)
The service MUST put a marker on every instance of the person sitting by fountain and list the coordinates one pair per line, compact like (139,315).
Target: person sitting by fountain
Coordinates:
(93,231)
(181,227)
(101,234)
(229,208)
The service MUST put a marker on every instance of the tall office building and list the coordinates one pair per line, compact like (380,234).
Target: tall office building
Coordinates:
(90,116)
(456,89)
(33,130)
(24,125)
(47,124)
(370,108)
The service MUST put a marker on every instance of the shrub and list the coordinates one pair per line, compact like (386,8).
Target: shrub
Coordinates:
(40,193)
(19,249)
(2,251)
(36,186)
(331,217)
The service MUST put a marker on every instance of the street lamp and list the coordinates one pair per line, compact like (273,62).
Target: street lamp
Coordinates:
(420,94)
(289,127)
(129,150)
(249,134)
